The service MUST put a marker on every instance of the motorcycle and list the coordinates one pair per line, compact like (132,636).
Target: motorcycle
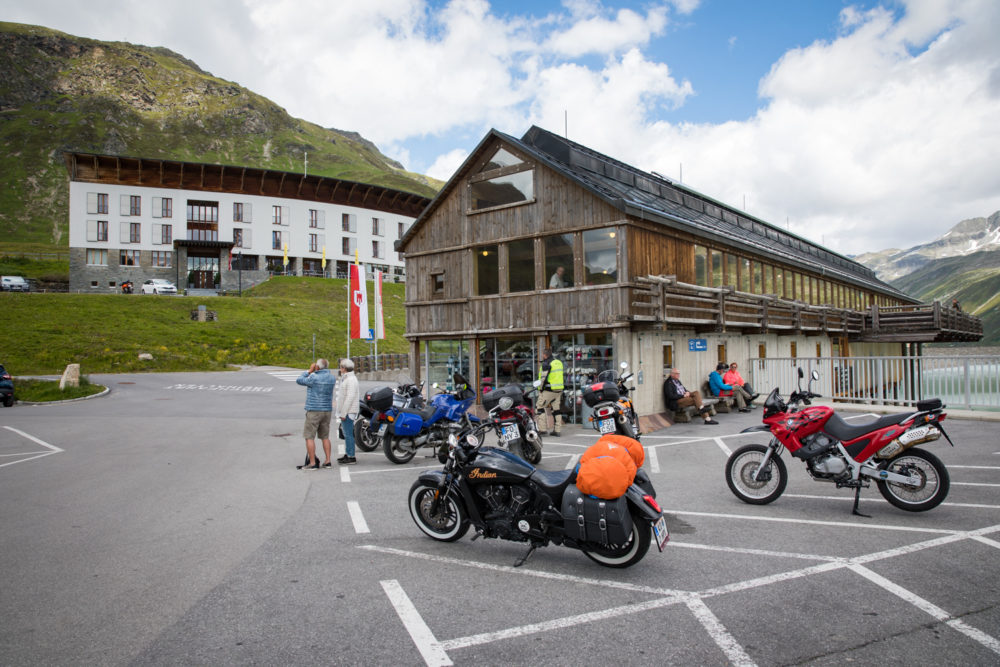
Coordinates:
(503,496)
(840,453)
(513,419)
(378,407)
(127,287)
(427,426)
(613,411)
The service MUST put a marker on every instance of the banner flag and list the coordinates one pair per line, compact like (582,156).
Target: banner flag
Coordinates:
(359,302)
(284,259)
(379,321)
(324,259)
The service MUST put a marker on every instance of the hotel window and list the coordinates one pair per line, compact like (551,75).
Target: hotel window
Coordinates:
(400,229)
(378,227)
(128,258)
(487,270)
(315,242)
(161,259)
(348,245)
(97,230)
(375,249)
(779,282)
(97,202)
(278,240)
(600,256)
(279,215)
(349,222)
(163,207)
(97,257)
(131,205)
(130,232)
(317,219)
(768,279)
(162,234)
(242,212)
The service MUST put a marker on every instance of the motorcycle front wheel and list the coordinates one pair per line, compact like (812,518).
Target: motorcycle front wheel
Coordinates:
(623,555)
(928,494)
(395,451)
(363,438)
(770,483)
(447,525)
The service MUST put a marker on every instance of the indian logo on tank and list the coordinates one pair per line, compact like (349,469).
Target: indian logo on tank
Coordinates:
(479,473)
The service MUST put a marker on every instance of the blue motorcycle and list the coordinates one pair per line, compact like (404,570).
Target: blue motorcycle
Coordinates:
(379,407)
(429,426)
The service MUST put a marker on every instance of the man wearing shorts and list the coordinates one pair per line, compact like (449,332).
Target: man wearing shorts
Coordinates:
(319,383)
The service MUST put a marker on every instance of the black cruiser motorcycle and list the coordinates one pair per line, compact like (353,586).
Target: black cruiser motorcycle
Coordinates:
(503,496)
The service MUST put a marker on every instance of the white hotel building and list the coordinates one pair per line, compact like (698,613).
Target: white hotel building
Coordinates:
(210,226)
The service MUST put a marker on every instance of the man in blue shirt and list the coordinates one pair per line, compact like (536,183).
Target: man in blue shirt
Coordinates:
(720,388)
(319,383)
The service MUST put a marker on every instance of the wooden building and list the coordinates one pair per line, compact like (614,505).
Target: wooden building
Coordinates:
(541,242)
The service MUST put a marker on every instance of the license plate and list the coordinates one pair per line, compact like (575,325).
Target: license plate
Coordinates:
(606,426)
(660,530)
(510,432)
(382,429)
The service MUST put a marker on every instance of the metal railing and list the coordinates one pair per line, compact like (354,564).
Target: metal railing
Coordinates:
(971,382)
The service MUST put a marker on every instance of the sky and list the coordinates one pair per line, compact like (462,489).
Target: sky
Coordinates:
(858,125)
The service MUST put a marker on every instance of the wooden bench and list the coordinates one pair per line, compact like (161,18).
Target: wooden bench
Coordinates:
(722,403)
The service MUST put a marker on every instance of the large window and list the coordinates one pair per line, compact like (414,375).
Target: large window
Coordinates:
(131,205)
(515,188)
(97,202)
(378,227)
(161,259)
(162,234)
(744,285)
(97,230)
(600,256)
(131,232)
(97,257)
(487,270)
(700,265)
(376,249)
(202,211)
(348,245)
(163,207)
(128,258)
(559,255)
(715,265)
(731,272)
(521,265)
(349,222)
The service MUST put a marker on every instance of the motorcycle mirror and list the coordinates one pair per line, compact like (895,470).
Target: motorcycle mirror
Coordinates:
(624,365)
(801,374)
(536,384)
(815,374)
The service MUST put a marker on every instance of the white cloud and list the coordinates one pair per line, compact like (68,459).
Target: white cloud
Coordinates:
(593,32)
(447,164)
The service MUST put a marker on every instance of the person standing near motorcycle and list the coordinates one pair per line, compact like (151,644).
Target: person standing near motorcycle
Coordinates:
(348,405)
(677,396)
(720,388)
(550,395)
(319,383)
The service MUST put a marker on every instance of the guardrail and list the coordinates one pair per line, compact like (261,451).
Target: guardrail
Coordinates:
(971,382)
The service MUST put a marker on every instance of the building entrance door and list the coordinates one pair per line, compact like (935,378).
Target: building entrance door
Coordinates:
(202,271)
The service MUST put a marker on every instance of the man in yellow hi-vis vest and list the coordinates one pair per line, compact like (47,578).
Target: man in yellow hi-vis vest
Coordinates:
(550,392)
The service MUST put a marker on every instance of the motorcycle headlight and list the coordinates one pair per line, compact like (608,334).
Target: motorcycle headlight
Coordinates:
(472,439)
(452,441)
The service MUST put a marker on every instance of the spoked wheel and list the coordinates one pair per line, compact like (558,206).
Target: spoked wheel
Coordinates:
(532,451)
(448,524)
(623,555)
(928,494)
(740,469)
(365,440)
(395,451)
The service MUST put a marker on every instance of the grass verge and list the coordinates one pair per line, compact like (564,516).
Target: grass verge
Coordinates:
(43,391)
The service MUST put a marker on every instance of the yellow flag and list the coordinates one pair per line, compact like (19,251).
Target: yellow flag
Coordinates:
(356,256)
(285,260)
(324,258)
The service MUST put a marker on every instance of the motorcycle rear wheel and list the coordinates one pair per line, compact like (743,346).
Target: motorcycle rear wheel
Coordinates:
(934,486)
(363,438)
(393,451)
(448,525)
(623,555)
(739,475)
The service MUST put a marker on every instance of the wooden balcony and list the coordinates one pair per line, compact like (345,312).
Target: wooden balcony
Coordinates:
(724,309)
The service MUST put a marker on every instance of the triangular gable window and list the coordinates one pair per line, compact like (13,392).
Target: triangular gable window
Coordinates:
(502,158)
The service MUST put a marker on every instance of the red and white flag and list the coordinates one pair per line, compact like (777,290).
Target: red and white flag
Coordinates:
(379,321)
(359,302)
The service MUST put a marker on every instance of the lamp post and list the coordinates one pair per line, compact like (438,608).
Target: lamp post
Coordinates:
(239,269)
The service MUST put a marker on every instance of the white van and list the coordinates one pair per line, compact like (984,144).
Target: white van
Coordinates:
(13,284)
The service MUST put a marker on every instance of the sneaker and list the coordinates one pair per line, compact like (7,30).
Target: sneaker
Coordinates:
(744,409)
(709,422)
(308,467)
(327,465)
(346,460)
(554,434)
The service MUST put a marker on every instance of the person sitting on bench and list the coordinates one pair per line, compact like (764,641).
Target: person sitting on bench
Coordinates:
(734,378)
(720,388)
(677,396)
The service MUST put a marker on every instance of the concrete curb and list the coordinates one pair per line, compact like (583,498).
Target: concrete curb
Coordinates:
(107,390)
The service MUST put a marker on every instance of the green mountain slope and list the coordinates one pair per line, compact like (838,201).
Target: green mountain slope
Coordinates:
(973,279)
(59,92)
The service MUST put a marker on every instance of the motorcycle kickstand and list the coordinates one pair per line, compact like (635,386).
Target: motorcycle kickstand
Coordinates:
(521,561)
(857,499)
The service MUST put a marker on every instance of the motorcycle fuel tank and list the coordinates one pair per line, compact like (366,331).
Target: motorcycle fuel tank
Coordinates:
(498,466)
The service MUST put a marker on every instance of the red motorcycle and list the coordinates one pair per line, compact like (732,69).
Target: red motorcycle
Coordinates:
(512,417)
(843,454)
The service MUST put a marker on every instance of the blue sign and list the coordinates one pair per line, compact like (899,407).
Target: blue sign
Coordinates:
(697,344)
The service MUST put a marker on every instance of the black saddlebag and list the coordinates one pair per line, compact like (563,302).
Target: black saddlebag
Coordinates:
(589,519)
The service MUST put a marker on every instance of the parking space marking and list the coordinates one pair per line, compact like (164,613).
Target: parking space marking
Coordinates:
(399,468)
(428,645)
(878,498)
(652,460)
(345,474)
(572,461)
(975,467)
(52,448)
(754,552)
(357,518)
(972,484)
(813,522)
(722,446)
(717,631)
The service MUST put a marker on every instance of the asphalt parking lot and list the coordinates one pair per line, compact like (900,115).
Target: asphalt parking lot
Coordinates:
(166,524)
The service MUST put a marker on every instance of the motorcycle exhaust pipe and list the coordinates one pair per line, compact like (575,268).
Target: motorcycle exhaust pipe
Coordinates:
(531,436)
(914,436)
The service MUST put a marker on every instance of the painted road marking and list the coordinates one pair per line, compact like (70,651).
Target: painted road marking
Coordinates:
(723,446)
(428,645)
(52,448)
(652,460)
(734,652)
(221,387)
(572,461)
(877,498)
(345,474)
(360,525)
(812,522)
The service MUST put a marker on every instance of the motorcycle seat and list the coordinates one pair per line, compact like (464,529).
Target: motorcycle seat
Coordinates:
(424,413)
(554,482)
(843,431)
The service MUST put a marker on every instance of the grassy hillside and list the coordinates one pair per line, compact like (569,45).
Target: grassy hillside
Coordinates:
(973,279)
(271,325)
(64,93)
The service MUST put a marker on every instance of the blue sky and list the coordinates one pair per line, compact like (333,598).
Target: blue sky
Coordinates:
(860,125)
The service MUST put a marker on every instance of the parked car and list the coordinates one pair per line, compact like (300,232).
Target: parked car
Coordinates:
(6,387)
(14,284)
(158,286)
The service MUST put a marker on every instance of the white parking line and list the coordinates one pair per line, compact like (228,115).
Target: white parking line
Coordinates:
(53,449)
(877,498)
(722,446)
(360,525)
(972,484)
(652,460)
(572,461)
(950,465)
(428,645)
(345,474)
(734,652)
(812,522)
